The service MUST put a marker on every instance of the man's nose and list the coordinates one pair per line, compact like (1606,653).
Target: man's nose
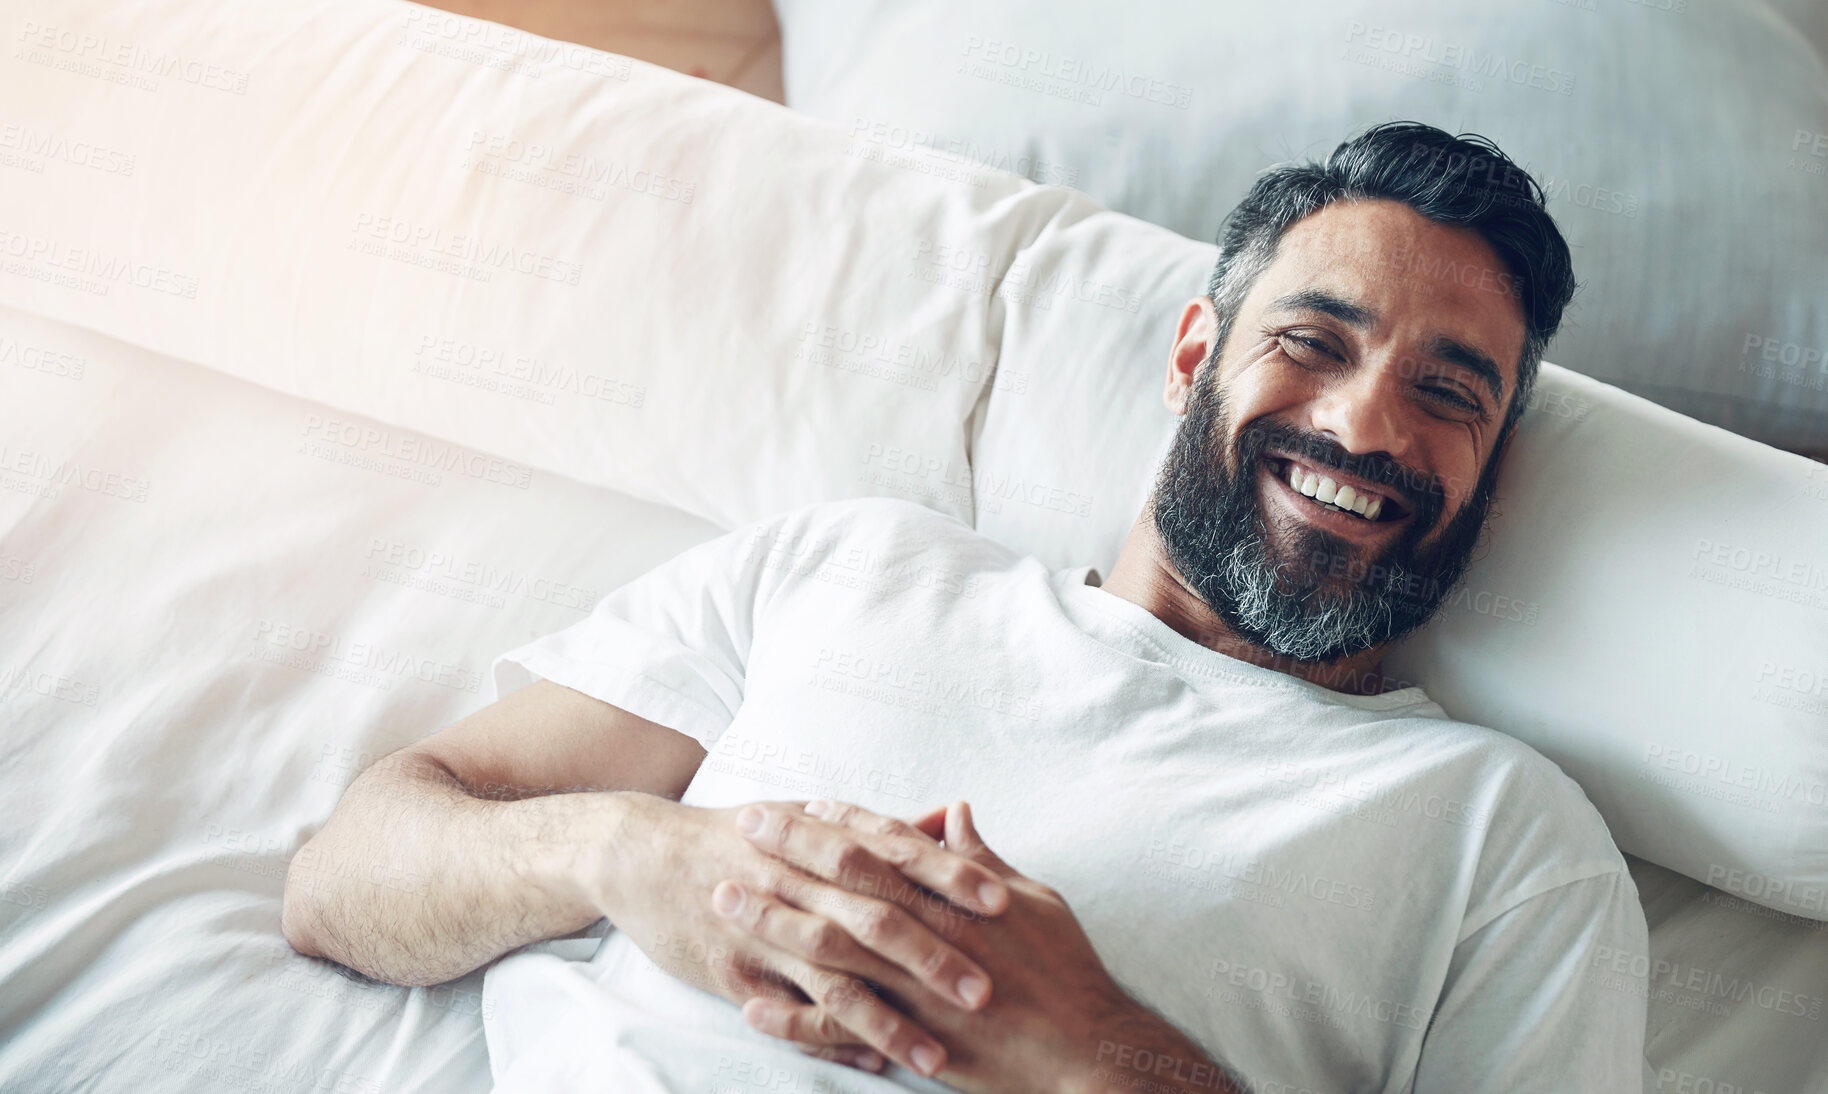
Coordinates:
(1364,412)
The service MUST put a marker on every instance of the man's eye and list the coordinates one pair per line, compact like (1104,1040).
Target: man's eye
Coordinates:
(1308,347)
(1453,398)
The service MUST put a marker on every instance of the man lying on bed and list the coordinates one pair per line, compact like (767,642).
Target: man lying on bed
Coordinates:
(1208,842)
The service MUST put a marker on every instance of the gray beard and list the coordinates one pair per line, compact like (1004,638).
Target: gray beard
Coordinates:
(1316,601)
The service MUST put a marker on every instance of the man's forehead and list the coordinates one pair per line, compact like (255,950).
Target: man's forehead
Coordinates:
(1404,269)
(1356,228)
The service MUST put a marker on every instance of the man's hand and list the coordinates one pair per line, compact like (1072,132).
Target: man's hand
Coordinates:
(1058,1022)
(656,884)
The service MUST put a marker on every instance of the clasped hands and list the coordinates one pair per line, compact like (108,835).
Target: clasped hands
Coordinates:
(924,947)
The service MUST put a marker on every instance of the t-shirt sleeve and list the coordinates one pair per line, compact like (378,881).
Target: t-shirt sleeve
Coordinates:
(1544,997)
(671,646)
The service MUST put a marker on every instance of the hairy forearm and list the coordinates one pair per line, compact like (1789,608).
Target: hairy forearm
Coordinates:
(414,880)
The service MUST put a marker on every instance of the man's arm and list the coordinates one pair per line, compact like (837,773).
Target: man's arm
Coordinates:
(550,809)
(448,853)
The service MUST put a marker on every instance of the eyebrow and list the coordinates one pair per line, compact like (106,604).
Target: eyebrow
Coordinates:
(1326,303)
(1359,317)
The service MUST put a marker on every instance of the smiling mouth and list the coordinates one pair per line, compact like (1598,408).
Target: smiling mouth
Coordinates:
(1327,493)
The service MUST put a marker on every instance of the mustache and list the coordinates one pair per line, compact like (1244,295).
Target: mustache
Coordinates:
(1420,491)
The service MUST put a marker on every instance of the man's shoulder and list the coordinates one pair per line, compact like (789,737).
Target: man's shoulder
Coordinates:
(1536,827)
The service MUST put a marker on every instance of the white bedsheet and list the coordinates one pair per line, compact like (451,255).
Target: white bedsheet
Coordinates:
(165,747)
(168,534)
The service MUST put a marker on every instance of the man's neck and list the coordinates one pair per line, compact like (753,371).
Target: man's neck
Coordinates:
(1144,576)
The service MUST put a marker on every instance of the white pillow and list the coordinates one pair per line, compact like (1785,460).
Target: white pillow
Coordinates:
(1650,609)
(1683,143)
(571,260)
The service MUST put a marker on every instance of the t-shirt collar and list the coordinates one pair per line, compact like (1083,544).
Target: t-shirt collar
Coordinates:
(1131,628)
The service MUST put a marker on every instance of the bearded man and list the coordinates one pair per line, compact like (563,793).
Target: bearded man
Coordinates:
(1210,846)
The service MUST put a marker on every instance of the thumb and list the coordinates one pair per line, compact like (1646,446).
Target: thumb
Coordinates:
(962,836)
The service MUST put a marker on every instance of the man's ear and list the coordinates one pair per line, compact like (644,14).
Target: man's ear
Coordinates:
(1193,341)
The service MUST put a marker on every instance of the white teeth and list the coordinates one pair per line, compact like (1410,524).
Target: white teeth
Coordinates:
(1324,490)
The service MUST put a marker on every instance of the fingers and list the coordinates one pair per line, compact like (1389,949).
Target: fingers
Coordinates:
(871,862)
(848,815)
(931,824)
(851,1003)
(855,935)
(961,836)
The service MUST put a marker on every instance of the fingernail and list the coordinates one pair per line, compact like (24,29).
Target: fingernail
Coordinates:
(989,893)
(972,988)
(870,1061)
(727,899)
(817,808)
(749,820)
(926,1059)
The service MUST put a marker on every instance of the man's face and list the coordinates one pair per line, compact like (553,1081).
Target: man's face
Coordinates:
(1377,353)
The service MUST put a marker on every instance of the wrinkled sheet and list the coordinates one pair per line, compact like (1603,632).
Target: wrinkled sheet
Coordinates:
(214,619)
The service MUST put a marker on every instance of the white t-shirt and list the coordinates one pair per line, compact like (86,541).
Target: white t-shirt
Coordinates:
(1327,892)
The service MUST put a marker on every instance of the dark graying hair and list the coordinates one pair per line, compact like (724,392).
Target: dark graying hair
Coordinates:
(1464,181)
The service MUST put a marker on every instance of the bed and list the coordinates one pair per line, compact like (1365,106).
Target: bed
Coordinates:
(231,575)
